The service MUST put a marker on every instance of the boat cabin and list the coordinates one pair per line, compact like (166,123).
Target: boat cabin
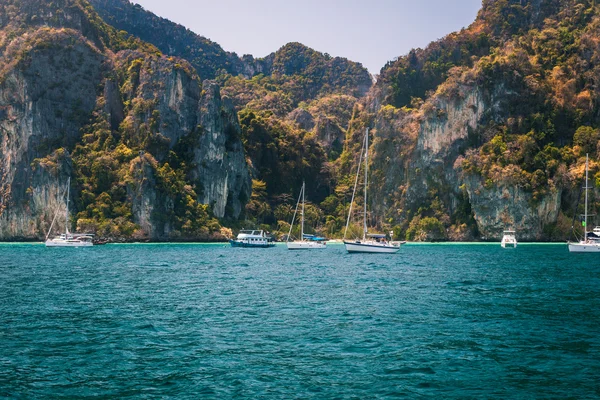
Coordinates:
(378,237)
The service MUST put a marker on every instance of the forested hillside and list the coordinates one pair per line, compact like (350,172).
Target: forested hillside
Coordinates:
(169,137)
(153,152)
(493,123)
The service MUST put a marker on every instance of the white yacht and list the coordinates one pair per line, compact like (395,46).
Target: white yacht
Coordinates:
(370,243)
(252,238)
(306,242)
(590,242)
(68,239)
(509,239)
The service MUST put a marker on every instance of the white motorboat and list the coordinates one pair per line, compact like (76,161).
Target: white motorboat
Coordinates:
(370,243)
(590,242)
(509,239)
(252,238)
(68,239)
(307,242)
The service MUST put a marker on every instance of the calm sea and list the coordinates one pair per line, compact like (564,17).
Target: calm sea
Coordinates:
(208,321)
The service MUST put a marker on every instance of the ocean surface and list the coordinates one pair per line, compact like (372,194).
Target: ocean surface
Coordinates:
(455,321)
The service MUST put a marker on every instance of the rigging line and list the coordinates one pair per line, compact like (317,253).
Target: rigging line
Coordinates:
(354,191)
(573,235)
(55,215)
(294,217)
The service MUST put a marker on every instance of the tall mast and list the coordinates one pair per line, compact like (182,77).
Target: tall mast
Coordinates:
(366,182)
(302,215)
(353,190)
(586,199)
(67,214)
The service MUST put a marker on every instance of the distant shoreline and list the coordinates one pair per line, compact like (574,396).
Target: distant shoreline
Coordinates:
(334,242)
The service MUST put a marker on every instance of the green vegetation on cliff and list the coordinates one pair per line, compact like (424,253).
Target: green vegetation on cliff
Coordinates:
(520,82)
(483,129)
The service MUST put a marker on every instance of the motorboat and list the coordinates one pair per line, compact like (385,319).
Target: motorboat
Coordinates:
(252,238)
(509,239)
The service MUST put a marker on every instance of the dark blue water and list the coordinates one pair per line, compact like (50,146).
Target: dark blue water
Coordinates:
(208,321)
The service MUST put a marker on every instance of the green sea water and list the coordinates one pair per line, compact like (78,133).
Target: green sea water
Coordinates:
(209,321)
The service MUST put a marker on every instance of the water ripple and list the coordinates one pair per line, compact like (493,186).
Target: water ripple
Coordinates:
(189,321)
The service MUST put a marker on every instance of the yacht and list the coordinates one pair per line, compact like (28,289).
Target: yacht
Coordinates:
(68,239)
(252,238)
(590,243)
(370,243)
(509,239)
(307,242)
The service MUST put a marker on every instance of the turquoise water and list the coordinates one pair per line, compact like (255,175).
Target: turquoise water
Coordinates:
(208,321)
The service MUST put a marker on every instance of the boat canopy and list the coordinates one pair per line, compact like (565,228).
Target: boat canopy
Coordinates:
(377,235)
(314,238)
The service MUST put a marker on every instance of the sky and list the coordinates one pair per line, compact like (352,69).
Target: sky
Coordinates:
(371,32)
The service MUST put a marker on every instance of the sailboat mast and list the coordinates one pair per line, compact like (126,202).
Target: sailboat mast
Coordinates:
(586,198)
(366,182)
(67,213)
(302,215)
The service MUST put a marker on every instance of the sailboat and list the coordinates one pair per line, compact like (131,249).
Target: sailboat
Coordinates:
(590,243)
(306,242)
(370,243)
(68,239)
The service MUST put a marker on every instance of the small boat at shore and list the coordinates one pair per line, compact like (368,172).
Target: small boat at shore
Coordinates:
(370,243)
(509,239)
(68,239)
(306,242)
(590,243)
(252,238)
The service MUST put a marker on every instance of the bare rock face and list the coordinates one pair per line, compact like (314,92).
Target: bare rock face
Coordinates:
(220,162)
(59,78)
(302,118)
(505,206)
(417,158)
(330,135)
(44,99)
(150,207)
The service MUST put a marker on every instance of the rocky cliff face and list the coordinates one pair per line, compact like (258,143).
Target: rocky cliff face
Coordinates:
(45,97)
(507,206)
(487,142)
(431,142)
(58,85)
(220,161)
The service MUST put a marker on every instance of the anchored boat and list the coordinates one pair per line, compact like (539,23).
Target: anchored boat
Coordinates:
(252,238)
(68,239)
(370,243)
(591,241)
(509,239)
(307,242)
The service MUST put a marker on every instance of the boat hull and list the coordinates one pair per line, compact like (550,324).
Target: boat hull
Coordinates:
(237,243)
(306,245)
(584,247)
(359,247)
(57,243)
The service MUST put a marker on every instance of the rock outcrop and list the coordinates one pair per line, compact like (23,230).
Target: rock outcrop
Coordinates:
(59,82)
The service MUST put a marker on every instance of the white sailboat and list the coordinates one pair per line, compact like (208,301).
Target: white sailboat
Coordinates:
(306,242)
(589,244)
(68,239)
(370,243)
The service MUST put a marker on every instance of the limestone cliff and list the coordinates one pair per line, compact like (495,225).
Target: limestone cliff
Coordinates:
(484,139)
(73,103)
